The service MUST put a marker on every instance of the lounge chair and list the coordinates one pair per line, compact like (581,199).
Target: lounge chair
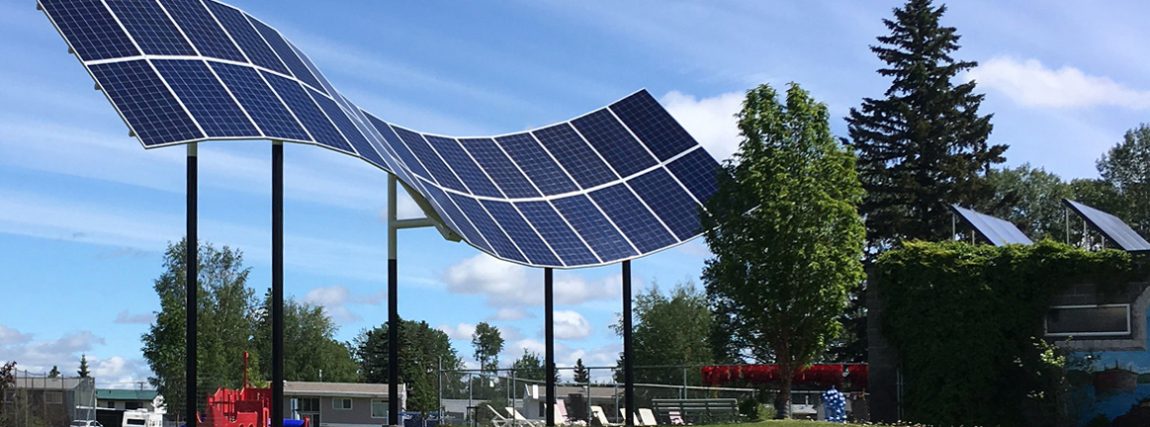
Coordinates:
(676,418)
(598,417)
(497,419)
(648,417)
(634,418)
(519,419)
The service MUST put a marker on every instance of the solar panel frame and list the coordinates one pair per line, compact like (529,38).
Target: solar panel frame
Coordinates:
(997,231)
(473,184)
(1115,229)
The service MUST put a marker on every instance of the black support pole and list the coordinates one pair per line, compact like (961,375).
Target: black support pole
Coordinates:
(277,409)
(549,332)
(628,371)
(191,284)
(392,306)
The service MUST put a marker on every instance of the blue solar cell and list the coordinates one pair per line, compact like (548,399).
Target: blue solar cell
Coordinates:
(345,125)
(311,67)
(431,161)
(90,29)
(1112,227)
(576,156)
(486,226)
(307,112)
(653,125)
(206,98)
(535,162)
(202,29)
(699,172)
(521,233)
(455,216)
(556,232)
(640,226)
(604,239)
(287,54)
(150,27)
(670,202)
(500,167)
(260,102)
(147,105)
(464,167)
(397,146)
(236,23)
(390,163)
(612,140)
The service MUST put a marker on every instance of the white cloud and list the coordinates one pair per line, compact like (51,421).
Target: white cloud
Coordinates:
(334,300)
(1031,84)
(511,285)
(119,372)
(124,317)
(509,314)
(462,331)
(570,325)
(710,120)
(39,355)
(9,336)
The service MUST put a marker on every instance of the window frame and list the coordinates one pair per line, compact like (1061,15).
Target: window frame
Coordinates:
(350,403)
(1129,321)
(385,408)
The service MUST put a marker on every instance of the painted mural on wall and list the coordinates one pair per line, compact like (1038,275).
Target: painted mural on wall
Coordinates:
(1111,388)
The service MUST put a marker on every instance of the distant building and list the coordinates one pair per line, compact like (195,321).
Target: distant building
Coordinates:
(125,399)
(339,404)
(52,401)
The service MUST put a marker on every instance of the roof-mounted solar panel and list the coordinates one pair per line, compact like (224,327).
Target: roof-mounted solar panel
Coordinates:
(998,232)
(1112,227)
(618,183)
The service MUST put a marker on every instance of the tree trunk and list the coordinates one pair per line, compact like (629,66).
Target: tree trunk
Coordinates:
(783,399)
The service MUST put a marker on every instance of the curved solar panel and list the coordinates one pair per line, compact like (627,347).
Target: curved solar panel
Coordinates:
(617,183)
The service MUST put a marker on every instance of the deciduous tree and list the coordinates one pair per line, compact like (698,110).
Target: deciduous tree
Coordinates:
(670,330)
(488,342)
(785,232)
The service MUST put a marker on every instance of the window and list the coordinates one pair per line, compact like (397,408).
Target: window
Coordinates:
(53,397)
(378,408)
(131,405)
(308,404)
(1088,320)
(341,404)
(135,421)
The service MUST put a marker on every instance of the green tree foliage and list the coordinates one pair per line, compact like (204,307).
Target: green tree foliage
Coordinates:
(786,233)
(488,342)
(83,371)
(1126,167)
(1031,198)
(963,318)
(529,366)
(670,330)
(224,324)
(422,349)
(581,374)
(313,354)
(7,382)
(54,373)
(923,146)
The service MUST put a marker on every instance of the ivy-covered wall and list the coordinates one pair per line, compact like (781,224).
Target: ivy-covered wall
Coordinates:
(966,321)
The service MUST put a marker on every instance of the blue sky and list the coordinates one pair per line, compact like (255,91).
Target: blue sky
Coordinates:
(85,212)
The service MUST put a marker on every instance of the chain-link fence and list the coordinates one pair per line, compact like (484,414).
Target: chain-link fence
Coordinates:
(510,397)
(34,399)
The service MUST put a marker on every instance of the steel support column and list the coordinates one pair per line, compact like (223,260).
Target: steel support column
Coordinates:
(191,285)
(277,412)
(549,336)
(628,371)
(392,307)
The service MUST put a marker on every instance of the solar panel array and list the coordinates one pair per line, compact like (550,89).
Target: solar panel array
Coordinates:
(1111,226)
(998,232)
(617,183)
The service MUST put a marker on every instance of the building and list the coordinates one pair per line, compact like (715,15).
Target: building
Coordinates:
(125,399)
(49,401)
(339,404)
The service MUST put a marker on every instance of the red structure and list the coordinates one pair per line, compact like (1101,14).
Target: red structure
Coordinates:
(246,407)
(842,376)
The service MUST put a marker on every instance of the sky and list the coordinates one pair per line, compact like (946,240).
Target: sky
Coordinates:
(86,213)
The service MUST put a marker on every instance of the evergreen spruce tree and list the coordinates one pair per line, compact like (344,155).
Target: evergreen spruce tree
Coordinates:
(924,146)
(582,375)
(83,372)
(54,373)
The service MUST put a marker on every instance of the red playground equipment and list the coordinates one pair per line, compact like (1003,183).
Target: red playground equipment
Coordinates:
(246,407)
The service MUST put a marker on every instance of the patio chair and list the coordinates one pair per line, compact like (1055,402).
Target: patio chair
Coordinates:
(519,419)
(648,417)
(676,418)
(598,417)
(634,418)
(497,419)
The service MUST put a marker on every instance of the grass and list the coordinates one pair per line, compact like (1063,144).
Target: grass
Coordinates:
(791,423)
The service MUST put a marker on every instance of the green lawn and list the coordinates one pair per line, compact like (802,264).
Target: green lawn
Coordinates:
(791,423)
